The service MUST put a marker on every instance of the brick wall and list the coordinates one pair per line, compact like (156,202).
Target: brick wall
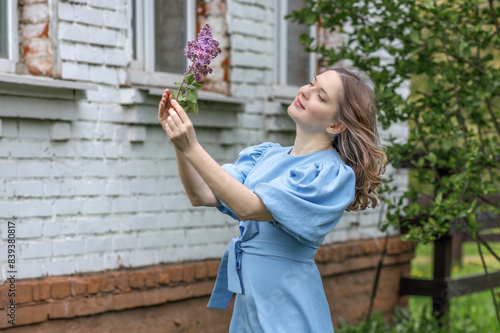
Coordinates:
(174,297)
(105,234)
(93,185)
(37,56)
(92,41)
(89,176)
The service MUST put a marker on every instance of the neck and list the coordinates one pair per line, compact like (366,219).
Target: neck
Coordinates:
(307,143)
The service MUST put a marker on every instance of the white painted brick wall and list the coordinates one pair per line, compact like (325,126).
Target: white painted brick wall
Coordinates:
(26,149)
(98,245)
(102,190)
(102,36)
(88,15)
(35,250)
(108,4)
(85,29)
(64,266)
(60,131)
(75,71)
(89,54)
(28,229)
(114,19)
(25,189)
(65,11)
(73,32)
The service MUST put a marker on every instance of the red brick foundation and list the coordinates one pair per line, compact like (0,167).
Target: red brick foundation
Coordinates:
(173,298)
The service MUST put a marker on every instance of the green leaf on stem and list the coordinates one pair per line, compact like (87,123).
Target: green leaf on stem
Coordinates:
(192,96)
(305,39)
(189,78)
(195,108)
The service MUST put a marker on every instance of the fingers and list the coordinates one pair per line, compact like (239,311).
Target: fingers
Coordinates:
(162,111)
(180,111)
(164,104)
(169,131)
(175,117)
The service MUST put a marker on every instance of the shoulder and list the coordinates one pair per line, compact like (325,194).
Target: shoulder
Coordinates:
(259,149)
(321,170)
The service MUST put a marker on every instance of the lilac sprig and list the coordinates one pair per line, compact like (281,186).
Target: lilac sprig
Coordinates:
(201,52)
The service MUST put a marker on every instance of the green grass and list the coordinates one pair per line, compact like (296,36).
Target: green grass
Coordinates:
(474,313)
(468,313)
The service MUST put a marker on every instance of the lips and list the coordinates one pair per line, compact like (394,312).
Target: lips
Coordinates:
(299,104)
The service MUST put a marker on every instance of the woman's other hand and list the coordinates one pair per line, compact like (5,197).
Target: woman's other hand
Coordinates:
(176,123)
(165,104)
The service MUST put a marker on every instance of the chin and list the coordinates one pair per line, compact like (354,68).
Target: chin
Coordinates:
(290,110)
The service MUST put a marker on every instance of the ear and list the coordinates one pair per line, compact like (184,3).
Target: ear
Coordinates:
(335,129)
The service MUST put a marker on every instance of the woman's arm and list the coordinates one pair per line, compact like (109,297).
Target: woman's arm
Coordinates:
(243,202)
(198,192)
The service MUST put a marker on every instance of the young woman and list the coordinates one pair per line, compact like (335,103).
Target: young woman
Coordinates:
(286,199)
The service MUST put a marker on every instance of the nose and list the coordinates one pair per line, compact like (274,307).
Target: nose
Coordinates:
(305,91)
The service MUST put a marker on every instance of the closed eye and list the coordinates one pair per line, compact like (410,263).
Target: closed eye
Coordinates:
(321,98)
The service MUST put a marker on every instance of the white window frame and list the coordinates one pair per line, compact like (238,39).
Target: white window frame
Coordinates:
(281,88)
(142,70)
(8,65)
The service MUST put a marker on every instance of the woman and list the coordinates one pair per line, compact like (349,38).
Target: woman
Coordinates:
(287,199)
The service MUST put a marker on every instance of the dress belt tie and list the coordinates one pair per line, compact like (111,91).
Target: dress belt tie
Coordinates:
(228,279)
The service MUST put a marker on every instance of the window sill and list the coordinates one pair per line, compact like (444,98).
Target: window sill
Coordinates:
(156,83)
(284,94)
(203,96)
(32,80)
(27,96)
(144,78)
(7,65)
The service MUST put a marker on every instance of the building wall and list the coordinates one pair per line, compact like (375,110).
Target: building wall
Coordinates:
(88,175)
(173,298)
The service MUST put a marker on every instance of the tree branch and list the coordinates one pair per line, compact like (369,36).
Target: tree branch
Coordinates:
(485,243)
(490,285)
(422,139)
(495,19)
(492,114)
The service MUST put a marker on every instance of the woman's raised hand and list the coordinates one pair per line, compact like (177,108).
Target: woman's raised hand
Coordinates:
(176,123)
(165,104)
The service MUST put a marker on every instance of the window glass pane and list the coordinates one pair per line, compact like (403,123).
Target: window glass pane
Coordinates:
(134,29)
(170,36)
(3,30)
(297,57)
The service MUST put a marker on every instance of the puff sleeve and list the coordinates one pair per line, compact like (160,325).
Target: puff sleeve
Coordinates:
(247,159)
(309,201)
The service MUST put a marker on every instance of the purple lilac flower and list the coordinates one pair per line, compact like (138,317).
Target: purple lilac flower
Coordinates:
(201,52)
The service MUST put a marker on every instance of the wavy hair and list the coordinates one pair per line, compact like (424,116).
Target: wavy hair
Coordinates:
(358,145)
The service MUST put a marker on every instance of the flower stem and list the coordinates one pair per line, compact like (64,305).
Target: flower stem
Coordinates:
(183,80)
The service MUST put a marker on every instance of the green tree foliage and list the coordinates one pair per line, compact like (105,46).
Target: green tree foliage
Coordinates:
(452,47)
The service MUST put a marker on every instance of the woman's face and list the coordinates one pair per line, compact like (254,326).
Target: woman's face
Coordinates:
(317,102)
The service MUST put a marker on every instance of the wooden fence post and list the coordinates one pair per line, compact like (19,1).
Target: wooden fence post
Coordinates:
(442,267)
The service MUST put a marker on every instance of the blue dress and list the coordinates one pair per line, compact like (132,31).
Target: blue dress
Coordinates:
(270,266)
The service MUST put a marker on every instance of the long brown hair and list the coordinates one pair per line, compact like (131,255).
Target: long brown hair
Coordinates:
(358,145)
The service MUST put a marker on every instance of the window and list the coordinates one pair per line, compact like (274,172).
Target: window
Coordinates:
(295,66)
(4,51)
(8,36)
(158,43)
